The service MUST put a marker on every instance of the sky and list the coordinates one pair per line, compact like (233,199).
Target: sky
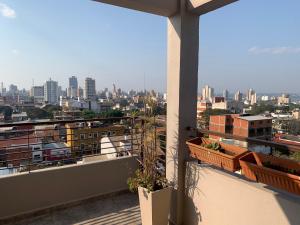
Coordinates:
(248,44)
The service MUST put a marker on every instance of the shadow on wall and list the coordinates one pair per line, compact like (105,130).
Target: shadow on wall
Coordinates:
(289,203)
(191,182)
(172,162)
(177,163)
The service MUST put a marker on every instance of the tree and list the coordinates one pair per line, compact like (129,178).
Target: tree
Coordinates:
(37,113)
(7,112)
(293,127)
(112,113)
(51,109)
(259,109)
(88,114)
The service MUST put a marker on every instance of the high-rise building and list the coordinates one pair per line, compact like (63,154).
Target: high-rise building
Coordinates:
(51,92)
(80,92)
(13,89)
(89,88)
(250,93)
(251,96)
(207,93)
(253,99)
(73,82)
(2,89)
(284,99)
(114,93)
(37,91)
(226,94)
(238,96)
(73,87)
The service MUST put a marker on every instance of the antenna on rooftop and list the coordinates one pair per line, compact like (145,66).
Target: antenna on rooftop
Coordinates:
(144,82)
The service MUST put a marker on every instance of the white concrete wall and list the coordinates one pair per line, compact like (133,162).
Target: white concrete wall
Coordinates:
(39,190)
(108,148)
(214,197)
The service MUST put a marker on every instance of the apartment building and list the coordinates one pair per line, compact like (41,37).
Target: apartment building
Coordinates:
(242,125)
(89,89)
(84,139)
(51,92)
(284,99)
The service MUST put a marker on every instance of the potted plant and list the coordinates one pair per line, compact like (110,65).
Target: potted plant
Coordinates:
(152,186)
(222,155)
(274,171)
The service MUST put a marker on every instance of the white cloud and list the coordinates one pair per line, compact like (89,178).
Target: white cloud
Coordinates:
(15,51)
(6,11)
(275,50)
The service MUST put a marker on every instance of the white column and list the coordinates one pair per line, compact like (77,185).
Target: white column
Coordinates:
(183,47)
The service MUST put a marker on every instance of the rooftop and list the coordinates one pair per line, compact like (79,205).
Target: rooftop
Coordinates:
(254,118)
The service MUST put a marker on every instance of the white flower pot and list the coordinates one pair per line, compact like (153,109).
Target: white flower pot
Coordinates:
(155,206)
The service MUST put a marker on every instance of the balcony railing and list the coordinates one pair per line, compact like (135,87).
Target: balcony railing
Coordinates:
(36,145)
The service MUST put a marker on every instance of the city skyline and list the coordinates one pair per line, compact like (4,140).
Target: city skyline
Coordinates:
(37,46)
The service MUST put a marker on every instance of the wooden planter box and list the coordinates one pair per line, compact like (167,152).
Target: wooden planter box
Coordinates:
(228,160)
(252,168)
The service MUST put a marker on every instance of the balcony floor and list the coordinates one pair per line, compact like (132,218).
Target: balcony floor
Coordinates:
(121,209)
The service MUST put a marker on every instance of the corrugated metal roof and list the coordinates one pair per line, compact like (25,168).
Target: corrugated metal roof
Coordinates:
(254,118)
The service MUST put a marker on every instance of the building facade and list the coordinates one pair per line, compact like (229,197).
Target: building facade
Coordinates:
(72,90)
(51,92)
(238,96)
(242,125)
(85,139)
(89,88)
(207,93)
(284,99)
(37,92)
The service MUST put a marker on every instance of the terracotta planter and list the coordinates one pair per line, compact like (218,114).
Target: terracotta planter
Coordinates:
(155,206)
(229,160)
(252,168)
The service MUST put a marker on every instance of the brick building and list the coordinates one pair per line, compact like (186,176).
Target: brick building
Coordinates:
(242,125)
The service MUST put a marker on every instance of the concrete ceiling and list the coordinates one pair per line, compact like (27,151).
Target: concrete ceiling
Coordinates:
(168,8)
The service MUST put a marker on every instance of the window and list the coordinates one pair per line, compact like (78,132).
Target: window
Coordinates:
(251,132)
(268,131)
(82,136)
(95,135)
(260,132)
(90,135)
(82,147)
(95,145)
(114,133)
(36,157)
(104,133)
(108,133)
(252,123)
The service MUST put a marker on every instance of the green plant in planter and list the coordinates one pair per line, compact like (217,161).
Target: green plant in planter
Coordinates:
(148,176)
(213,146)
(151,183)
(268,164)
